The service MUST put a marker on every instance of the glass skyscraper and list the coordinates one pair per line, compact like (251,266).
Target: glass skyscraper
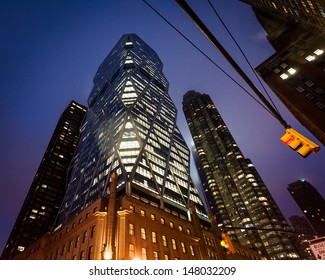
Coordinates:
(235,192)
(130,128)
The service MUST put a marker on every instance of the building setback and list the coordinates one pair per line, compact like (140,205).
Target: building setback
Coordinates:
(311,203)
(41,206)
(295,72)
(235,191)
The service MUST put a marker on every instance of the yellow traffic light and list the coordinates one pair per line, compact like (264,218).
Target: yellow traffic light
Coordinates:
(227,243)
(298,142)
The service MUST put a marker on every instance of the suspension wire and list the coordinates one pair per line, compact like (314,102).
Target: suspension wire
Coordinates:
(205,30)
(226,228)
(242,52)
(206,56)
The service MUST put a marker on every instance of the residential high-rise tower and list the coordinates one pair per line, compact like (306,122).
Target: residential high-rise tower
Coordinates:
(236,192)
(41,206)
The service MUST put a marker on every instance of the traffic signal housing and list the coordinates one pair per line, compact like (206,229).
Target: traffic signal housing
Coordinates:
(227,243)
(299,143)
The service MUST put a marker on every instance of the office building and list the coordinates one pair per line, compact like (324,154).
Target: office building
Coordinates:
(311,203)
(236,193)
(41,206)
(130,128)
(295,72)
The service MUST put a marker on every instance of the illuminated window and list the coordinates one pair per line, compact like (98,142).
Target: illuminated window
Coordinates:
(143,213)
(131,250)
(129,144)
(162,220)
(154,237)
(183,247)
(144,254)
(318,52)
(20,248)
(192,250)
(291,71)
(284,76)
(171,224)
(131,229)
(166,257)
(155,255)
(174,244)
(132,208)
(310,57)
(164,240)
(143,234)
(153,217)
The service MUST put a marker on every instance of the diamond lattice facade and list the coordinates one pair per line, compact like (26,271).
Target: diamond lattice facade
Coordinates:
(131,128)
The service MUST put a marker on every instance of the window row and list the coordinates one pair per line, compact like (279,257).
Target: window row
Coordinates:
(74,243)
(155,254)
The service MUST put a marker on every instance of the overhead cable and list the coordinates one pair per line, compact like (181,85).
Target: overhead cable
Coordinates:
(242,52)
(206,56)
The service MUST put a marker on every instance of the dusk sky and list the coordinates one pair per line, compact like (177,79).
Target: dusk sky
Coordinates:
(50,51)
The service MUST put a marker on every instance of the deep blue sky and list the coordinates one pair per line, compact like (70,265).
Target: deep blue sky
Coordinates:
(50,51)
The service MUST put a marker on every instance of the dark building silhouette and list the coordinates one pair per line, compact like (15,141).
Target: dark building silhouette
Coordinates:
(295,72)
(41,206)
(303,233)
(235,192)
(301,224)
(311,203)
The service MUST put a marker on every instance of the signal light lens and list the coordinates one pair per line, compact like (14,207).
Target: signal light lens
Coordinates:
(287,139)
